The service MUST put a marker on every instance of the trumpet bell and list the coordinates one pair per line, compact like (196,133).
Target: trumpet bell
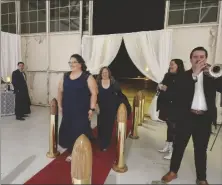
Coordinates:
(215,70)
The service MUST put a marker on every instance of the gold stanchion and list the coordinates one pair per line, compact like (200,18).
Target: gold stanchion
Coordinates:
(53,130)
(140,97)
(143,107)
(81,163)
(119,164)
(134,130)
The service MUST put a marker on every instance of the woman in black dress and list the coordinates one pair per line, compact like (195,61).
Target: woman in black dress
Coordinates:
(165,103)
(108,103)
(77,97)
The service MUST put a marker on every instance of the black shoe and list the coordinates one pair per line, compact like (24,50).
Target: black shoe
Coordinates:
(198,182)
(25,116)
(20,118)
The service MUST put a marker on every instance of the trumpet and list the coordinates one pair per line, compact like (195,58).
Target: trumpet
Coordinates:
(214,71)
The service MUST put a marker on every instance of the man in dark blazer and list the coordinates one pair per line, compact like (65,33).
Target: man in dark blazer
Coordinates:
(196,93)
(22,100)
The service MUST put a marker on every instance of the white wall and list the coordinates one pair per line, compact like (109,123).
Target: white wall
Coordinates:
(187,38)
(42,84)
(61,48)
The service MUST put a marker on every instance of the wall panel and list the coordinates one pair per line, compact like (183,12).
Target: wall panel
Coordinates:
(37,87)
(54,79)
(34,52)
(61,48)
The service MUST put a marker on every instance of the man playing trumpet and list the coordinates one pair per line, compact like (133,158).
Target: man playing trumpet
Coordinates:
(196,93)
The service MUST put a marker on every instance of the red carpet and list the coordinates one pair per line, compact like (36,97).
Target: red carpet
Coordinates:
(58,171)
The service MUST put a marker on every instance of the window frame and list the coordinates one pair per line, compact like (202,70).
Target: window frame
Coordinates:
(18,21)
(8,15)
(60,19)
(29,22)
(80,26)
(199,24)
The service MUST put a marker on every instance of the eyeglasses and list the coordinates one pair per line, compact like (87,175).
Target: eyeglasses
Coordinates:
(71,62)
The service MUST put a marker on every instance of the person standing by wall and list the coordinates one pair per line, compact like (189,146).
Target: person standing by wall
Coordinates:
(22,99)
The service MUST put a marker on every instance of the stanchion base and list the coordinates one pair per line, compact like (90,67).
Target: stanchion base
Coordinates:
(119,170)
(133,137)
(52,155)
(81,181)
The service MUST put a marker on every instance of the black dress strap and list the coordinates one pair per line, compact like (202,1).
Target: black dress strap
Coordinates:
(86,75)
(67,74)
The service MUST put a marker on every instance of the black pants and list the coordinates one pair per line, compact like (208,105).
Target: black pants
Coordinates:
(22,104)
(19,108)
(199,127)
(171,126)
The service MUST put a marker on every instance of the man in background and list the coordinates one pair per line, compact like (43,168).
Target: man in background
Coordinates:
(22,99)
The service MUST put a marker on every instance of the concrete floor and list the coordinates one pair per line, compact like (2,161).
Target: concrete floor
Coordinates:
(24,146)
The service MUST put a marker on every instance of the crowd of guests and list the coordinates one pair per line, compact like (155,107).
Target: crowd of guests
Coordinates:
(79,96)
(186,102)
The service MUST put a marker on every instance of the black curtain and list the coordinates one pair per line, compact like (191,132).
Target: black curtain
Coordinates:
(124,16)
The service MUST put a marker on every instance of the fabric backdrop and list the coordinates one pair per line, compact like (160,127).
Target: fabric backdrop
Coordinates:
(10,53)
(150,52)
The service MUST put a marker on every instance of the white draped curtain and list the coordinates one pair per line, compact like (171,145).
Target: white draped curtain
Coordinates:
(100,50)
(10,53)
(148,50)
(151,53)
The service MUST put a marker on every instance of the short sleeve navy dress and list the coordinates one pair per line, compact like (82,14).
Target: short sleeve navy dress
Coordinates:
(76,104)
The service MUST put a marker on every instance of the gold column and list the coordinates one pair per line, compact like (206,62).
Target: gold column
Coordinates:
(143,107)
(134,130)
(53,130)
(81,163)
(140,96)
(119,164)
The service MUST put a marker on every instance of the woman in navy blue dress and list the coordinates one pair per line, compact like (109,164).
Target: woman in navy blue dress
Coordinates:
(108,102)
(77,97)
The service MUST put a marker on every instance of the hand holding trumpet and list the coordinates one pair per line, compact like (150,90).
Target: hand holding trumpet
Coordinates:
(213,71)
(199,66)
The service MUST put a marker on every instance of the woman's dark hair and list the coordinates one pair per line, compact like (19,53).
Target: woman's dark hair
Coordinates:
(180,66)
(81,61)
(99,77)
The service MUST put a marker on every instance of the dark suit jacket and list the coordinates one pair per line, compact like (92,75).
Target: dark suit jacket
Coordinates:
(19,82)
(185,93)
